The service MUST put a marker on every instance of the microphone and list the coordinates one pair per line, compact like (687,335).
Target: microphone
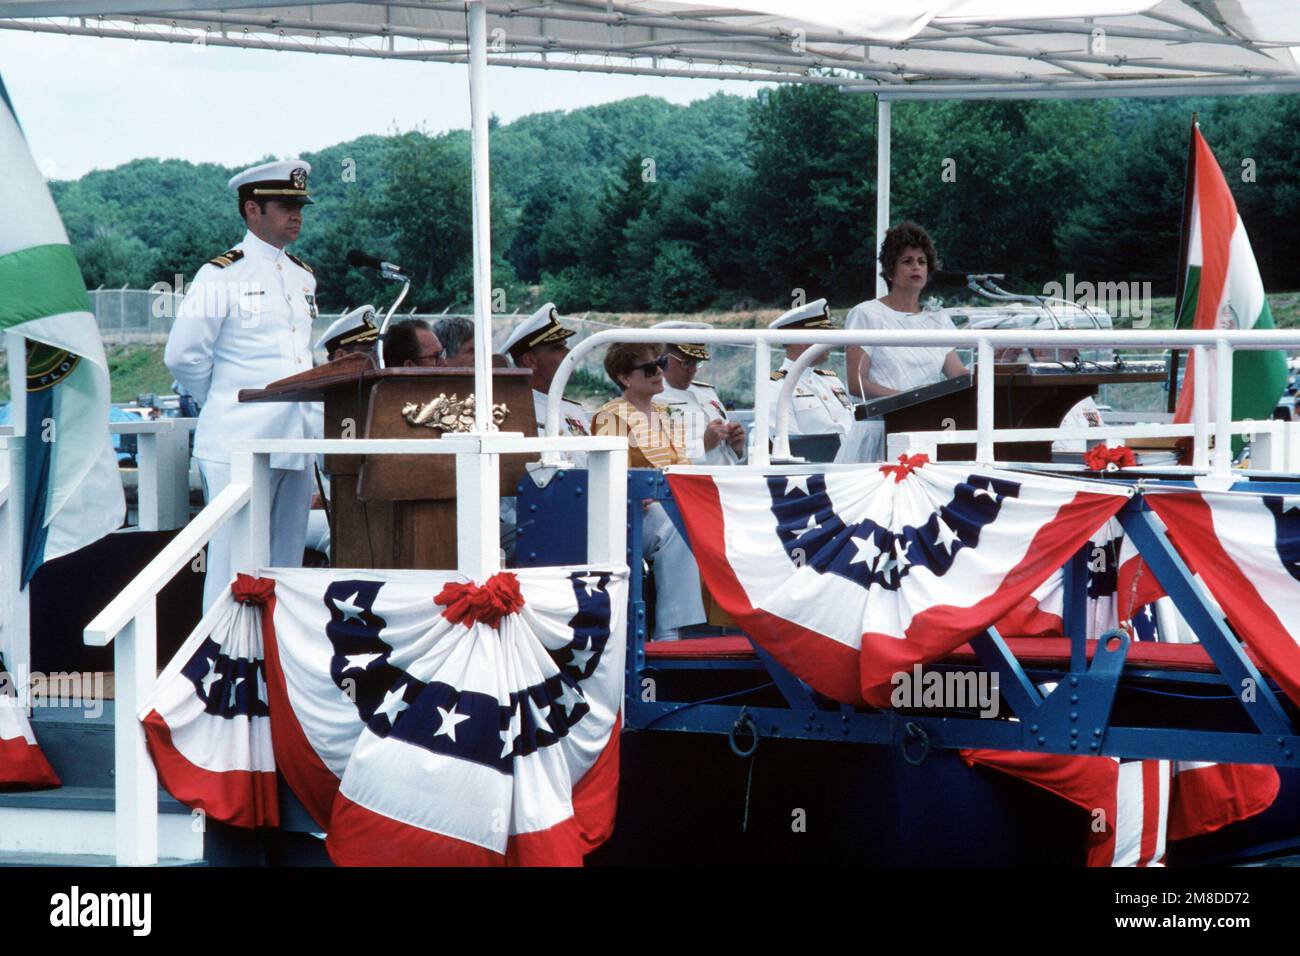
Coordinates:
(365,261)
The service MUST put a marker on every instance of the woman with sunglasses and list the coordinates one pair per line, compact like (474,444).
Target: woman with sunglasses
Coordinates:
(638,369)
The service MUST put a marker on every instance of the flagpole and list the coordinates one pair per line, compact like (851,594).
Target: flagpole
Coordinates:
(16,640)
(1184,241)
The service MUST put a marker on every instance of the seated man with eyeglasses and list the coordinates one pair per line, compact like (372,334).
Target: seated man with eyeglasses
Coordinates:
(412,344)
(710,439)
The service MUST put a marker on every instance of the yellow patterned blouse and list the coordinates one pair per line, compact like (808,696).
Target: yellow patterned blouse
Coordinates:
(651,440)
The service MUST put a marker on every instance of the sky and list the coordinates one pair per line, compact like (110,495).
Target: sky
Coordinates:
(87,103)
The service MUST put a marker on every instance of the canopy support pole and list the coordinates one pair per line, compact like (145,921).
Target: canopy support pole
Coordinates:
(478,475)
(15,641)
(882,187)
(477,12)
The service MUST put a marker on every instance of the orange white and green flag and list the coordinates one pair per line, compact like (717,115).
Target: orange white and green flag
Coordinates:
(1222,289)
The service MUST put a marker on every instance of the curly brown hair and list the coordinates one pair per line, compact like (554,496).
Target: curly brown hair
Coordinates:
(622,357)
(906,235)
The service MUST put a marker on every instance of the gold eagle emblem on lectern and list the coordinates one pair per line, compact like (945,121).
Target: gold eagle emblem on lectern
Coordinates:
(449,414)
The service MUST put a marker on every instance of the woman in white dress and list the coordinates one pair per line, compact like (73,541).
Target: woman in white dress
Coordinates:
(907,260)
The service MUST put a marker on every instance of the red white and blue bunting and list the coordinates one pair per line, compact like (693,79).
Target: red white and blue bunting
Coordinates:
(849,577)
(22,764)
(420,718)
(1246,549)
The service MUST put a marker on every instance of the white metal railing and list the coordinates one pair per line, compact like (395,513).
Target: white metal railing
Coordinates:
(984,341)
(1276,443)
(15,639)
(163,470)
(163,459)
(129,623)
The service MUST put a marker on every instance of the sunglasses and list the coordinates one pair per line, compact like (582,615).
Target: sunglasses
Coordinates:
(652,368)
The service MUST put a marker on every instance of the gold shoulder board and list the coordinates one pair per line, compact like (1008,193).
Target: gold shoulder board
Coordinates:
(228,257)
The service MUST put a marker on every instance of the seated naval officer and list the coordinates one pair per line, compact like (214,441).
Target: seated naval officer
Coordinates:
(456,333)
(412,344)
(821,402)
(246,322)
(354,331)
(538,344)
(636,368)
(694,406)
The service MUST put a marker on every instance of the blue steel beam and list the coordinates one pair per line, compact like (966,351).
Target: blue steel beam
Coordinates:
(1013,684)
(1211,629)
(889,727)
(1074,613)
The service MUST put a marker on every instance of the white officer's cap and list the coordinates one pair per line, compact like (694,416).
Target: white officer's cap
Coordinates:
(541,327)
(690,349)
(814,315)
(351,328)
(284,179)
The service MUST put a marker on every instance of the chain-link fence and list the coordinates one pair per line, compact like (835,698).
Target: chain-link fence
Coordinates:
(134,316)
(145,316)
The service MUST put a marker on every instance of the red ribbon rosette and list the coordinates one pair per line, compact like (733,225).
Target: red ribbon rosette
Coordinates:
(250,590)
(468,603)
(1105,458)
(906,465)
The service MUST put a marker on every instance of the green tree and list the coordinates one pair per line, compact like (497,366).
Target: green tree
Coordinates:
(113,260)
(679,281)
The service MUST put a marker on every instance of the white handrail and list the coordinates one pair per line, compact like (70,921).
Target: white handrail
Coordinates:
(965,436)
(129,622)
(163,466)
(153,427)
(180,551)
(985,341)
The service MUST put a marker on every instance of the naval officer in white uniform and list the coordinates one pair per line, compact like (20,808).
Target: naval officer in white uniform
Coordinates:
(694,407)
(538,344)
(246,322)
(821,402)
(354,331)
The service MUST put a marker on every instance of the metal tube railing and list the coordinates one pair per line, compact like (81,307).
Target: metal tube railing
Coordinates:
(163,466)
(129,622)
(984,341)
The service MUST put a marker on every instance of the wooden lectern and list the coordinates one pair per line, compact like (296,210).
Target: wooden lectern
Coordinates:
(397,511)
(1025,395)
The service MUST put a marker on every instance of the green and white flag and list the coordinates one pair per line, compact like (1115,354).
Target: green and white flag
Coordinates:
(1222,289)
(73,490)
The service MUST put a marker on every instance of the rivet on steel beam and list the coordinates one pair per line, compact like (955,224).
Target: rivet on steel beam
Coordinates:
(1074,715)
(1074,682)
(1042,740)
(1033,728)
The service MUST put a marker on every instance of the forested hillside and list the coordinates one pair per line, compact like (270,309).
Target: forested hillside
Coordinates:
(730,201)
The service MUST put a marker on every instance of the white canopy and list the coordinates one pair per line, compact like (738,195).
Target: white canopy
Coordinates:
(901,48)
